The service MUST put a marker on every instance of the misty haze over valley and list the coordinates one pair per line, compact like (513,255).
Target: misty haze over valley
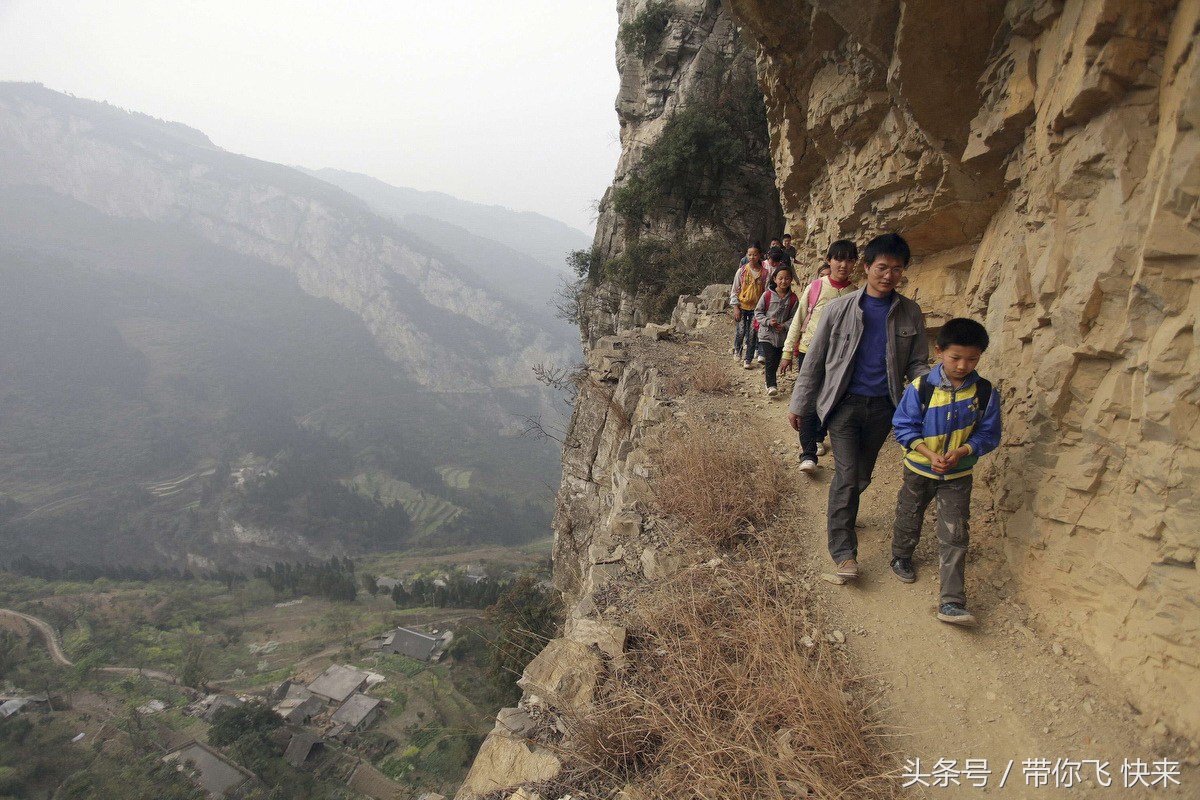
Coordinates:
(211,359)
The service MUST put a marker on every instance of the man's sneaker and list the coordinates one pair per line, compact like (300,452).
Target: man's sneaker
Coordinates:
(849,569)
(822,449)
(955,614)
(903,567)
(748,365)
(772,391)
(808,466)
(760,359)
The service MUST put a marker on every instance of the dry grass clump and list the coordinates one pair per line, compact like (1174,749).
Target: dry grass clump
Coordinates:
(717,485)
(711,378)
(725,697)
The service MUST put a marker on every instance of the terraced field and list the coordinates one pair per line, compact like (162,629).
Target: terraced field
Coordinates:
(455,477)
(428,512)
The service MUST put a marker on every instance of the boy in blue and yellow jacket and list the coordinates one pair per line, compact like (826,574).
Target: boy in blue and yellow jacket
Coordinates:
(946,420)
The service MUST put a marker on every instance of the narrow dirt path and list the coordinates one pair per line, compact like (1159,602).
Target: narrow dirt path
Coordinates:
(1003,691)
(59,657)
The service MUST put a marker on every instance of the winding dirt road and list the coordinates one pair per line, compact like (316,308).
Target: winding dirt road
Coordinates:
(54,646)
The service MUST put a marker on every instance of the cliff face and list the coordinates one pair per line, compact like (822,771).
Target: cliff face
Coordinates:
(700,55)
(1042,158)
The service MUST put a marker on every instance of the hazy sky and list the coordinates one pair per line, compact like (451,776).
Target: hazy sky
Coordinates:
(498,102)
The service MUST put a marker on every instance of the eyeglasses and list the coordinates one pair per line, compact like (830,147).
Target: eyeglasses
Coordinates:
(895,271)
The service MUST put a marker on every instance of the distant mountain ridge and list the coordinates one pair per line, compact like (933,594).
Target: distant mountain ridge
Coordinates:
(545,239)
(171,309)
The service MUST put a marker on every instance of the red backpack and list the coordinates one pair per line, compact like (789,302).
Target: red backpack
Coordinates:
(792,301)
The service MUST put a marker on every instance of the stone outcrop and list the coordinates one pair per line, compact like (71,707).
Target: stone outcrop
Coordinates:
(1043,159)
(602,533)
(700,41)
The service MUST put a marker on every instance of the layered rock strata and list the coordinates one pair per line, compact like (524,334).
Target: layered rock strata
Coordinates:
(700,41)
(1042,157)
(602,534)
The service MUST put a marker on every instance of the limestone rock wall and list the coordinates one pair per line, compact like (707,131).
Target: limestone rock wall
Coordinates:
(1042,157)
(700,39)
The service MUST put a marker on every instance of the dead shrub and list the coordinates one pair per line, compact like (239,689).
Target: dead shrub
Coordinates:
(717,485)
(710,378)
(731,692)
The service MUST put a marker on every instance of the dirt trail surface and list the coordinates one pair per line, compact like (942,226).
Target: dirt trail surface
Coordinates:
(59,657)
(1005,691)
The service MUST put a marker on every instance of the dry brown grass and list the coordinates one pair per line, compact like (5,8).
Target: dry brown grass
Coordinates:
(711,378)
(725,698)
(719,485)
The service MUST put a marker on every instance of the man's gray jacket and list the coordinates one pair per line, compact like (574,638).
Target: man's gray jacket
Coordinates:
(829,362)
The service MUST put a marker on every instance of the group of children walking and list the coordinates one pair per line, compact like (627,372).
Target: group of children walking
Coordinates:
(862,361)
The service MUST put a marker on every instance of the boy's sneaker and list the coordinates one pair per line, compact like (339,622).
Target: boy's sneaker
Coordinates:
(822,449)
(903,567)
(748,365)
(760,359)
(772,391)
(848,569)
(808,466)
(955,614)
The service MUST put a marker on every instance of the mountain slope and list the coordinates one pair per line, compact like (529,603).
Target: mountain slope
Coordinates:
(203,351)
(448,336)
(544,239)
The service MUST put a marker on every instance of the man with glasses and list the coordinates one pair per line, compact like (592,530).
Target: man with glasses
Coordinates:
(866,346)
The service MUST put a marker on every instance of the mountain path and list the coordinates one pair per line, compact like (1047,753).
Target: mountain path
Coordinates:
(59,657)
(1003,691)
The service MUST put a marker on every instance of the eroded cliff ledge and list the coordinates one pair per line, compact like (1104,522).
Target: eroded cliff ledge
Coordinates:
(1043,160)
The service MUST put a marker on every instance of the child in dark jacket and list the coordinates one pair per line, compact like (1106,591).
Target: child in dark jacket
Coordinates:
(773,313)
(946,420)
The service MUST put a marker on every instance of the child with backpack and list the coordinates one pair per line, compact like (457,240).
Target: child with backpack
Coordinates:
(840,263)
(749,283)
(946,420)
(772,314)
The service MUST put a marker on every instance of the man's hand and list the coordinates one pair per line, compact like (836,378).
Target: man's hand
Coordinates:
(784,366)
(794,421)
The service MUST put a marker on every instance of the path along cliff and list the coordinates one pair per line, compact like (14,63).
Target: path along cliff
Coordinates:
(1011,693)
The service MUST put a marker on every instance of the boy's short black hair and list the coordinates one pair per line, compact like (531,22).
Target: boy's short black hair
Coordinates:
(787,236)
(778,254)
(964,333)
(843,250)
(889,244)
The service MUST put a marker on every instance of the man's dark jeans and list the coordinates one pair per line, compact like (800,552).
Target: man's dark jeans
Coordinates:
(811,430)
(858,427)
(953,527)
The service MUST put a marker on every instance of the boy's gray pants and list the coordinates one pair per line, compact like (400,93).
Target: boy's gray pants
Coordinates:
(953,526)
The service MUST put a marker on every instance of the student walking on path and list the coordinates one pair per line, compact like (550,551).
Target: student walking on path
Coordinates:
(866,346)
(772,314)
(819,294)
(749,283)
(945,421)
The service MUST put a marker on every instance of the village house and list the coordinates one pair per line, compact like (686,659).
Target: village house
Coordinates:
(301,747)
(355,715)
(209,770)
(338,682)
(414,644)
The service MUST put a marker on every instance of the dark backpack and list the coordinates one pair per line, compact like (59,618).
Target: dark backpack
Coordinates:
(983,393)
